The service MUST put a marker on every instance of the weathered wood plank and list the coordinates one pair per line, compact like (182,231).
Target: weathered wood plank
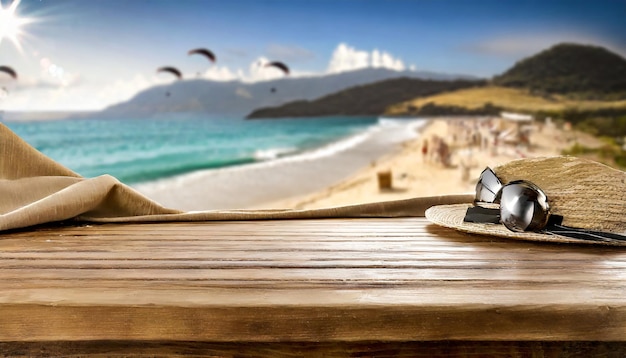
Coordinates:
(303,281)
(326,323)
(467,349)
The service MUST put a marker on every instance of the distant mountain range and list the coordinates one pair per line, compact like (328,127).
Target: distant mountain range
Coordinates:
(586,72)
(238,98)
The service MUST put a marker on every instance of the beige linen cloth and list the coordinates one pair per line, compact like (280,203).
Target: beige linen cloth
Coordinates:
(35,189)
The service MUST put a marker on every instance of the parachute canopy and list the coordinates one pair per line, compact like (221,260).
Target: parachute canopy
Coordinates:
(278,65)
(172,70)
(8,70)
(202,51)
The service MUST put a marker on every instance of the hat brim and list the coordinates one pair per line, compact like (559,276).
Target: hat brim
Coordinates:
(451,216)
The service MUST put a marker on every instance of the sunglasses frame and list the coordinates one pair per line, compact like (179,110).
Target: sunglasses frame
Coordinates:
(507,216)
(481,184)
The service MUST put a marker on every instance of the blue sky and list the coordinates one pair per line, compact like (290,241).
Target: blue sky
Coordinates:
(86,54)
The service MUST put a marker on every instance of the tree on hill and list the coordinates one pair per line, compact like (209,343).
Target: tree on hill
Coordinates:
(569,69)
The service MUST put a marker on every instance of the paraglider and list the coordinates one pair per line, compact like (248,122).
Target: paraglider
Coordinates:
(203,51)
(8,70)
(281,66)
(4,92)
(278,65)
(172,70)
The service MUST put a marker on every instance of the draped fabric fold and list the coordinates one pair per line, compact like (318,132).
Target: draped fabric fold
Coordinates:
(35,189)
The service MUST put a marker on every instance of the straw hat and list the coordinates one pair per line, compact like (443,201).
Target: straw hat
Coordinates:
(587,194)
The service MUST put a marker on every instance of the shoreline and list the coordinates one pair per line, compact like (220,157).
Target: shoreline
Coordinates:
(350,175)
(415,175)
(256,185)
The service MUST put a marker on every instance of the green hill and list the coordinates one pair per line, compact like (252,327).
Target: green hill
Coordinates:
(565,79)
(371,99)
(584,71)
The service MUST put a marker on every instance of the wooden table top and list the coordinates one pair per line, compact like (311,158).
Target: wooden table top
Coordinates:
(304,280)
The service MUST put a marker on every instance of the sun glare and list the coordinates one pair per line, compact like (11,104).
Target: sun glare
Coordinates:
(11,24)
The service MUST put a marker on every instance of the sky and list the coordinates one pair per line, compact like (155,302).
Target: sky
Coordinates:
(88,54)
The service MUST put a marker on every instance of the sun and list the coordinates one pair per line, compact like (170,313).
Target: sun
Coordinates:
(11,24)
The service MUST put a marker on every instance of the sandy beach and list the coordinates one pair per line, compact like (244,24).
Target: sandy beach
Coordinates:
(347,172)
(414,174)
(264,183)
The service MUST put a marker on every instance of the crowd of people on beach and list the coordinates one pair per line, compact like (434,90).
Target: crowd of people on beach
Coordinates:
(446,157)
(465,137)
(436,150)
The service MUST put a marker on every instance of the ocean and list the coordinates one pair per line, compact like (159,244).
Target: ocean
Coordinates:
(194,162)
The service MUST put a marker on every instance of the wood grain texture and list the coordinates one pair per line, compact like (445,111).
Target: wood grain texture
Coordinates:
(333,280)
(367,349)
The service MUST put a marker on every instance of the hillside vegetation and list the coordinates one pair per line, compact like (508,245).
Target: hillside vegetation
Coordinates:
(371,99)
(521,100)
(584,71)
(583,85)
(566,79)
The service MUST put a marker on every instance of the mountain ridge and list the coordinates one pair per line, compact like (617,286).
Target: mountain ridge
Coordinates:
(589,72)
(239,98)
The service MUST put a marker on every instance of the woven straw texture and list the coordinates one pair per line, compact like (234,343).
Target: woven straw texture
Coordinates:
(587,194)
(451,216)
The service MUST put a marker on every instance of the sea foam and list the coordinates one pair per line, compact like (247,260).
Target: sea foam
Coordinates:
(272,179)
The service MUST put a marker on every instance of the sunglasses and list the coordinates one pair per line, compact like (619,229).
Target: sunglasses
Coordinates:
(521,206)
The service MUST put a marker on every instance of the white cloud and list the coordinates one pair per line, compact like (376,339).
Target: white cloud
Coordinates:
(347,58)
(79,97)
(385,60)
(220,73)
(58,89)
(52,76)
(256,71)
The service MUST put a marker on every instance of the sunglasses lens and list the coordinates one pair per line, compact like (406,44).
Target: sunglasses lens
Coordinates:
(487,187)
(523,206)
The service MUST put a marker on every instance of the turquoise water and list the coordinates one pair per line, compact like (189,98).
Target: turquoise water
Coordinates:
(140,150)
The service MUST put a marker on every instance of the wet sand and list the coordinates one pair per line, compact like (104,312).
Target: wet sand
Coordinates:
(347,173)
(260,184)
